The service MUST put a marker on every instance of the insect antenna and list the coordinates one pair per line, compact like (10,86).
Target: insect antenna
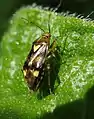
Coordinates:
(33,23)
(58,6)
(49,24)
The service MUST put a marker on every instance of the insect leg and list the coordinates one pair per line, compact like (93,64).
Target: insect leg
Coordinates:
(49,80)
(52,48)
(55,60)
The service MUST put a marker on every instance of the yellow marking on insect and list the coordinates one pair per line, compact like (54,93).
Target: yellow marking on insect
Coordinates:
(37,58)
(36,47)
(24,72)
(30,63)
(37,53)
(36,73)
(34,59)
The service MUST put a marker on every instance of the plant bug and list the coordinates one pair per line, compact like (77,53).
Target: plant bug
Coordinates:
(37,66)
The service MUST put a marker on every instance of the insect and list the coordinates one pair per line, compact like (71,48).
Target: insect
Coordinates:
(37,61)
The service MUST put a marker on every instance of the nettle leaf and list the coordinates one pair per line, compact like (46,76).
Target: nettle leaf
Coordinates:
(74,97)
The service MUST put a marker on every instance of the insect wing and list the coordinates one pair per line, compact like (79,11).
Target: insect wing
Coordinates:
(38,57)
(32,68)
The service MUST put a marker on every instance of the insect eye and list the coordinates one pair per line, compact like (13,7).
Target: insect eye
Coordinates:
(47,36)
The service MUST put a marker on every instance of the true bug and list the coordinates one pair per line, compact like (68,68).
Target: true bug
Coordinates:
(37,60)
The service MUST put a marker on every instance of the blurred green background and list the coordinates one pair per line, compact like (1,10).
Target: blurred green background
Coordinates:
(8,7)
(81,108)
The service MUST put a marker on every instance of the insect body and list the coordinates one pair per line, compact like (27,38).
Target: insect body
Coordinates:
(37,61)
(33,66)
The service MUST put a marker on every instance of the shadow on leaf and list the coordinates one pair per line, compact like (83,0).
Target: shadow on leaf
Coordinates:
(51,79)
(79,109)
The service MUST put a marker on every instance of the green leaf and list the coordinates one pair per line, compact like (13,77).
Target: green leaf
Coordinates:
(75,38)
